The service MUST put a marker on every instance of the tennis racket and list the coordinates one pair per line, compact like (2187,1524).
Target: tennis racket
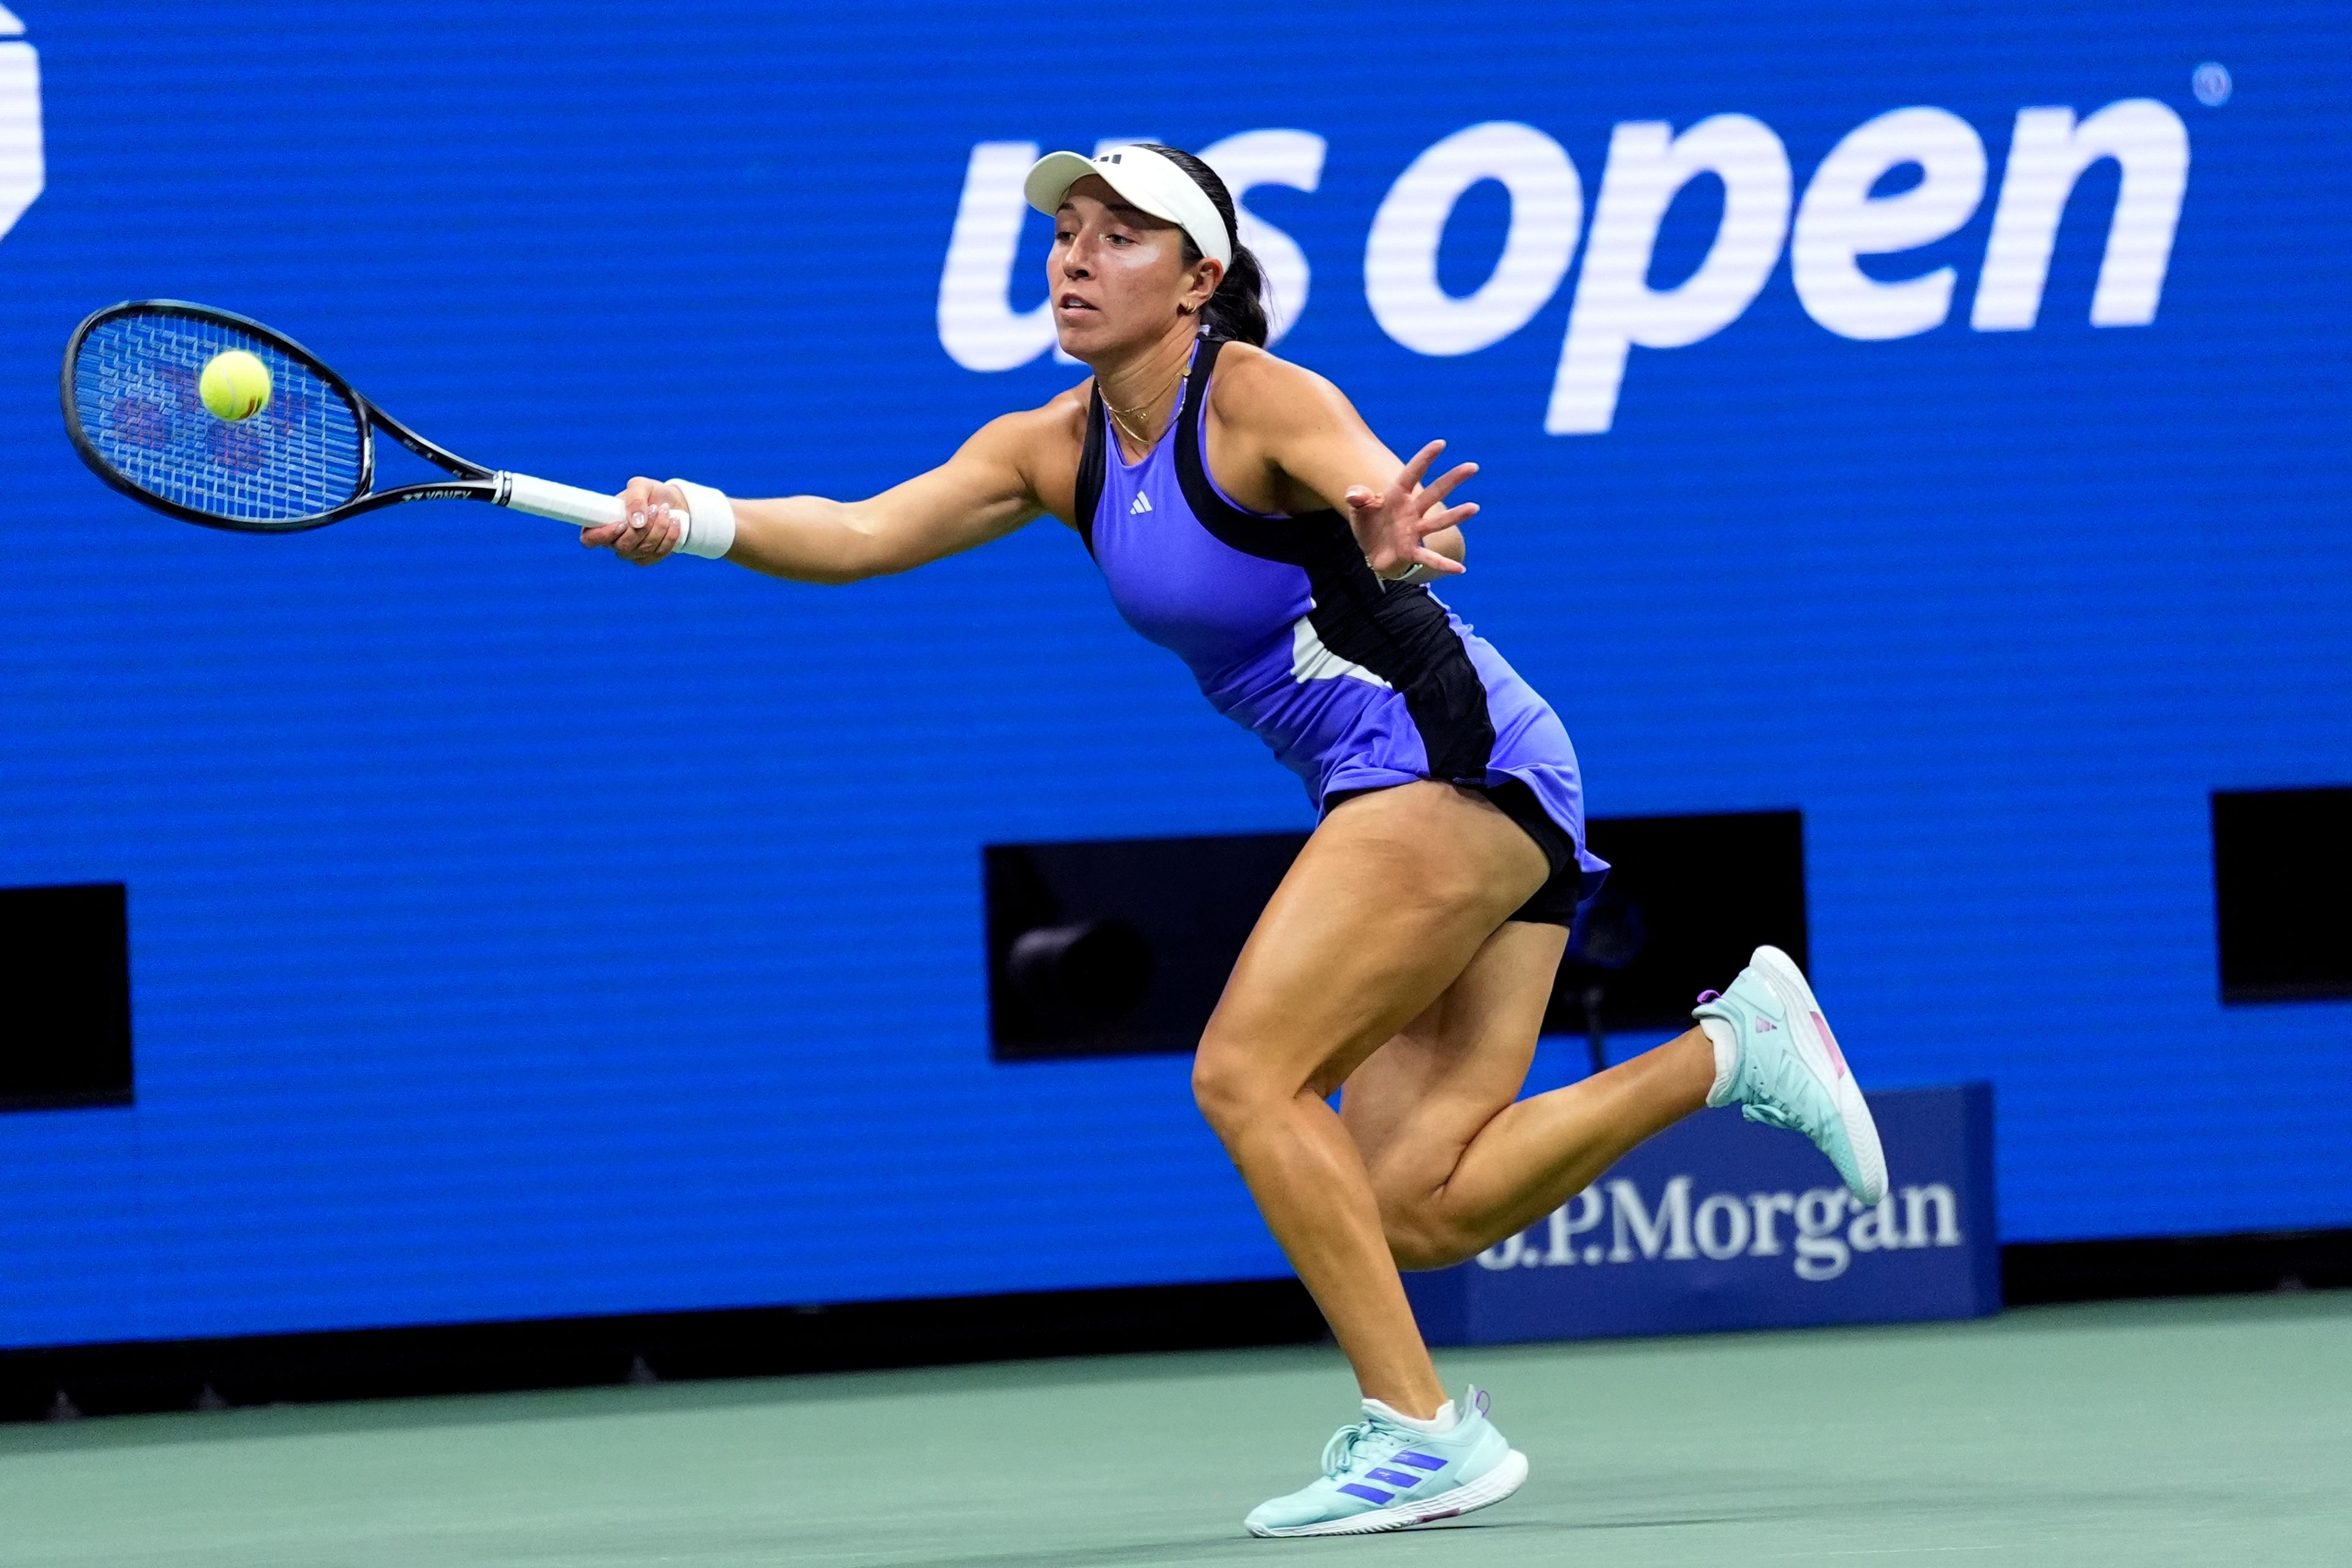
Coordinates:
(305,460)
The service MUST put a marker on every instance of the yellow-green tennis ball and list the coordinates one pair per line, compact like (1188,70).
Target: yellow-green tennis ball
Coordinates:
(234,386)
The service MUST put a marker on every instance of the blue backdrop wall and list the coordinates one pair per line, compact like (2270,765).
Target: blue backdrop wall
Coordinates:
(514,932)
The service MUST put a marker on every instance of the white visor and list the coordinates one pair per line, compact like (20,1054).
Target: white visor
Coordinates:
(1147,181)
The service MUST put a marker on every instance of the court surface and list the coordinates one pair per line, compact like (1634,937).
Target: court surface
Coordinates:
(2206,1432)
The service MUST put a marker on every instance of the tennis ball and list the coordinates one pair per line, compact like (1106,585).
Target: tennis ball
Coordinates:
(234,386)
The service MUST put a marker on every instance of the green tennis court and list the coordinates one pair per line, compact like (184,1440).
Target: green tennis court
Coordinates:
(2214,1431)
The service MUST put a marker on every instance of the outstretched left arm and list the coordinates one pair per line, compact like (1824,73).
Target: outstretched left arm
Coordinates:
(1306,440)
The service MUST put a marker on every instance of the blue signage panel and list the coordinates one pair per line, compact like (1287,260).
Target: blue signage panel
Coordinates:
(1720,1224)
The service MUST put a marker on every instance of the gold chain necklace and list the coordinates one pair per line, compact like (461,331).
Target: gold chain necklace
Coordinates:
(1118,415)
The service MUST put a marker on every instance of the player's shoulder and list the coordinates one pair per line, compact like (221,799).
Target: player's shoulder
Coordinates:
(1065,412)
(1043,446)
(1254,384)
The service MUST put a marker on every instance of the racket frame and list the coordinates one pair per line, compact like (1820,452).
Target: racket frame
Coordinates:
(470,480)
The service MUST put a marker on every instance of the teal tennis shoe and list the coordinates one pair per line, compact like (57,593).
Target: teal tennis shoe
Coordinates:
(1791,1072)
(1382,1474)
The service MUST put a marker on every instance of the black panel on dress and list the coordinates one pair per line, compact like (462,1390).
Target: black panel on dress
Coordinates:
(1091,470)
(1400,634)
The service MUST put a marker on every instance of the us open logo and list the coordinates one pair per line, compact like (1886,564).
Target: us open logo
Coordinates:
(1842,213)
(21,169)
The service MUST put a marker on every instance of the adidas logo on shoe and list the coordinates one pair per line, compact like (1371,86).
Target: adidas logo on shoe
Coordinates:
(1766,1026)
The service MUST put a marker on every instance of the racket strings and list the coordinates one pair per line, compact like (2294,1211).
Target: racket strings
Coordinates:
(135,393)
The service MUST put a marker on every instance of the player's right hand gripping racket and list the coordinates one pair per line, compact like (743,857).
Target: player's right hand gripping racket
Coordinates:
(306,459)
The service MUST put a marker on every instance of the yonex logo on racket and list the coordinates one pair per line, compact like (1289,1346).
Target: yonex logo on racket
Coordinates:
(1826,228)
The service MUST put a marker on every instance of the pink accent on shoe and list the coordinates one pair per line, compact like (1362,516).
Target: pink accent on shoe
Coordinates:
(1837,1057)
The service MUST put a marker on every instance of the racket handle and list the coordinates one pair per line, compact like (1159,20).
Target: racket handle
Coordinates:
(565,504)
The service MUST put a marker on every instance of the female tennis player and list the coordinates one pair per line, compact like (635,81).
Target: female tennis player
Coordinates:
(1246,519)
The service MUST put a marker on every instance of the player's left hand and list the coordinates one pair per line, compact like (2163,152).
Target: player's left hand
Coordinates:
(1393,525)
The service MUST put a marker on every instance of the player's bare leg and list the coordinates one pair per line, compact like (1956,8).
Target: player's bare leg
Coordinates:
(1457,1160)
(1389,902)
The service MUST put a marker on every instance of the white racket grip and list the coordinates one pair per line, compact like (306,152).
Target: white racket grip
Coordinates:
(565,504)
(710,521)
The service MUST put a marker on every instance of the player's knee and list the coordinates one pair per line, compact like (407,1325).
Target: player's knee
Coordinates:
(1228,1087)
(1420,1236)
(1414,1223)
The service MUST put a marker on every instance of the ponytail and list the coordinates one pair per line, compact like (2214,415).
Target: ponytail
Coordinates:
(1237,309)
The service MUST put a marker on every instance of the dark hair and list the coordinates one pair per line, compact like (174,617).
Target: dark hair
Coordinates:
(1237,309)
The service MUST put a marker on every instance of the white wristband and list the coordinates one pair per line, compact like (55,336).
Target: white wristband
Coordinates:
(710,521)
(1418,572)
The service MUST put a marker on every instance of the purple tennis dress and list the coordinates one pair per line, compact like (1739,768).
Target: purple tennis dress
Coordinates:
(1355,685)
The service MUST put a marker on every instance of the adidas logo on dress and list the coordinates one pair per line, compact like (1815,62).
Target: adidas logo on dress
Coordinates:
(1140,503)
